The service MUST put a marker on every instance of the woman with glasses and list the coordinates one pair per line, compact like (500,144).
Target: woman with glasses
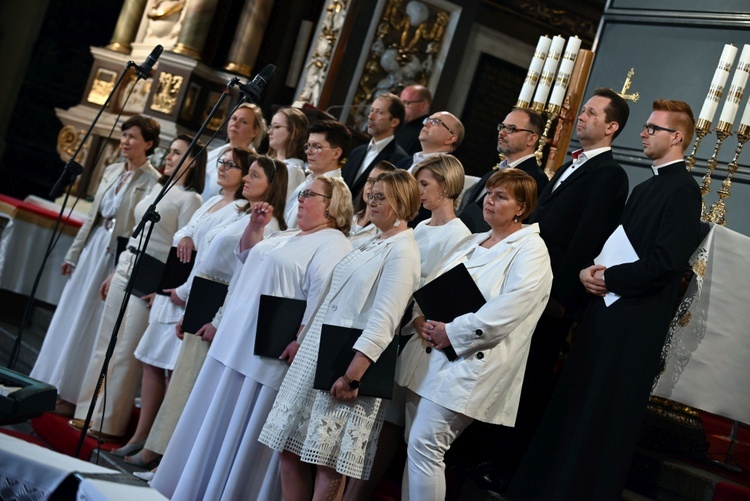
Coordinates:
(440,179)
(159,347)
(214,452)
(91,258)
(327,144)
(362,227)
(511,268)
(336,429)
(287,135)
(112,414)
(245,129)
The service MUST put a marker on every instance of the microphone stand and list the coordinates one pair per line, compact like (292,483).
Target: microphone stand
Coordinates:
(152,216)
(71,170)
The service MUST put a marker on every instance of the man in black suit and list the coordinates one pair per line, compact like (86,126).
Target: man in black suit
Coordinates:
(586,440)
(417,100)
(385,117)
(577,210)
(517,139)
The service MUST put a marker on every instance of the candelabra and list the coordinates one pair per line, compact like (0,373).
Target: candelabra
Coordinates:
(553,110)
(702,129)
(718,212)
(723,131)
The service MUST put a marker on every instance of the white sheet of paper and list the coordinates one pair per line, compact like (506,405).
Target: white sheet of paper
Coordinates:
(617,250)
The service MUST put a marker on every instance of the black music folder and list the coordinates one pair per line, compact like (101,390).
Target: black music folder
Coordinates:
(206,297)
(452,294)
(279,319)
(155,276)
(335,354)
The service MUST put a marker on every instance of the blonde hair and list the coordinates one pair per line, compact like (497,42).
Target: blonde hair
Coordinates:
(339,209)
(260,123)
(448,171)
(401,192)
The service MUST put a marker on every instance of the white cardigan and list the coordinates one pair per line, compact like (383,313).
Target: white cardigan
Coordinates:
(485,381)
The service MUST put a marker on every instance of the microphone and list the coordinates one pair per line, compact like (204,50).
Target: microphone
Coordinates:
(145,70)
(252,90)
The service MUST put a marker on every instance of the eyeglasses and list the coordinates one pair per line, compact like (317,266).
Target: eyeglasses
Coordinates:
(510,129)
(305,194)
(226,165)
(653,129)
(436,121)
(376,198)
(316,147)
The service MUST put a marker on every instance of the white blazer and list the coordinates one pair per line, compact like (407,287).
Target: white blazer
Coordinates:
(144,177)
(374,292)
(484,382)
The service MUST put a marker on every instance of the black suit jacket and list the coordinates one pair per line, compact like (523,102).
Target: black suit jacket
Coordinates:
(471,210)
(576,219)
(392,153)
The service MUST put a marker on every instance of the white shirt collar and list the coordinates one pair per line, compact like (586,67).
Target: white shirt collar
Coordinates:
(656,169)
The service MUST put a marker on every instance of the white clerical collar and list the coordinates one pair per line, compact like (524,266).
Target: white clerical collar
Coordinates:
(655,169)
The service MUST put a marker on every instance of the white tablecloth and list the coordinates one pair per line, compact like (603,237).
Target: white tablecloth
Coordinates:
(23,242)
(36,472)
(709,354)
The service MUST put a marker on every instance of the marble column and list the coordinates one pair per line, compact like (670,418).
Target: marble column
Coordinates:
(195,27)
(248,36)
(127,26)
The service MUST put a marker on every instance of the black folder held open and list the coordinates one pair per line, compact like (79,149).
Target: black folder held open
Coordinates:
(279,319)
(452,294)
(335,354)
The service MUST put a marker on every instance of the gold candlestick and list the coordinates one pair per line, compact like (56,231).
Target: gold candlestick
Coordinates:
(552,111)
(702,129)
(723,131)
(718,212)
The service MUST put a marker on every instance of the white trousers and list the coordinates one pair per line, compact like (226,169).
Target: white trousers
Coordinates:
(124,374)
(430,431)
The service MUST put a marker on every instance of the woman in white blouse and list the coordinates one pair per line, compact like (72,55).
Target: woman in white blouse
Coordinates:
(287,135)
(510,266)
(327,143)
(214,452)
(123,374)
(246,129)
(441,180)
(337,430)
(71,335)
(159,347)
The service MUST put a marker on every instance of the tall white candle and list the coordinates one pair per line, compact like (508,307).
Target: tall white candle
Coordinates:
(548,73)
(532,77)
(737,87)
(566,69)
(715,91)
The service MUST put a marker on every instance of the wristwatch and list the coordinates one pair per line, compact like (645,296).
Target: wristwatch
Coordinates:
(353,383)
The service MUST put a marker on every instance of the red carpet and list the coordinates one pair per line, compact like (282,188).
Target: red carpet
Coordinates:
(54,430)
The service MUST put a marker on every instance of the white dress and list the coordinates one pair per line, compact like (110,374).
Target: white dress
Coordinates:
(159,345)
(295,169)
(72,332)
(369,289)
(214,452)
